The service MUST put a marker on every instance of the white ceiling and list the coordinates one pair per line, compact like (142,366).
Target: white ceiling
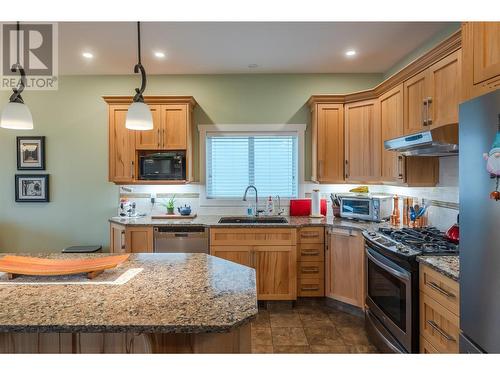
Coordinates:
(224,48)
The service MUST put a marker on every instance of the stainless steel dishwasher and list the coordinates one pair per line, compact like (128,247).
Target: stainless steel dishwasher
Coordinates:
(181,239)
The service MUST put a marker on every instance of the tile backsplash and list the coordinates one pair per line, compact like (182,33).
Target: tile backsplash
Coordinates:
(442,212)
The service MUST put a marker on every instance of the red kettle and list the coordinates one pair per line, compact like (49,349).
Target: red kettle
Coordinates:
(453,234)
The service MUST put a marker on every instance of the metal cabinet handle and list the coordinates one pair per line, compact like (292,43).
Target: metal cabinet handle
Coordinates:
(429,114)
(122,240)
(437,288)
(309,235)
(309,288)
(313,269)
(347,169)
(308,253)
(424,113)
(438,329)
(320,168)
(159,137)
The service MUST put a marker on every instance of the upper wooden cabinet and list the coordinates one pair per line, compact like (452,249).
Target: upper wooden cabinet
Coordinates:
(431,97)
(172,127)
(121,146)
(327,136)
(391,119)
(362,142)
(481,58)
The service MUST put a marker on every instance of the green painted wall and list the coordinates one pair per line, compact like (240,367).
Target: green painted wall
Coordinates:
(426,46)
(75,123)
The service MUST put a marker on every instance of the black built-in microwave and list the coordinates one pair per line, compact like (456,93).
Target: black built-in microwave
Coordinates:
(169,165)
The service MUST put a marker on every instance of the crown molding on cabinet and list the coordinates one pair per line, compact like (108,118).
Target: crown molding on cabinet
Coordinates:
(151,99)
(443,49)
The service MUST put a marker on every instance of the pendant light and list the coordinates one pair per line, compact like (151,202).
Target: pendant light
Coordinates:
(139,115)
(16,115)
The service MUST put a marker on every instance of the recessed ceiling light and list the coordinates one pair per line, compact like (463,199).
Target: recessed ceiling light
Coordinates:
(252,66)
(87,55)
(159,54)
(350,52)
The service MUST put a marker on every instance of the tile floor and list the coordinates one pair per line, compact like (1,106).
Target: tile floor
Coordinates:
(309,327)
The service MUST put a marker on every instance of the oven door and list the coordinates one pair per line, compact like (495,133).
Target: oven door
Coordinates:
(389,296)
(359,208)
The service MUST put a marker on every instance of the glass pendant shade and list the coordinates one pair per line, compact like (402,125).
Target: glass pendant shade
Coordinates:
(139,117)
(16,116)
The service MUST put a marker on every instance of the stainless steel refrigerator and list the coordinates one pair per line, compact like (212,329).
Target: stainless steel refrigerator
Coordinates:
(479,228)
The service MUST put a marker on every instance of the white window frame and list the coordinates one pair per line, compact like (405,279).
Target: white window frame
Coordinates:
(247,129)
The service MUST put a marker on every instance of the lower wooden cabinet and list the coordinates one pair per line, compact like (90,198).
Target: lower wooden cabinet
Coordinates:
(126,239)
(345,267)
(439,312)
(272,252)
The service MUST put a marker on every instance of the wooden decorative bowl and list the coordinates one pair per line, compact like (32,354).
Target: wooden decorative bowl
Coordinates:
(15,265)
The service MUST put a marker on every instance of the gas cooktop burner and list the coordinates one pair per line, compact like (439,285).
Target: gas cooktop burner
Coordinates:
(428,240)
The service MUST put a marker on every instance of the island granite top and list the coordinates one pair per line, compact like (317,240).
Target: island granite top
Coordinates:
(174,293)
(447,265)
(213,221)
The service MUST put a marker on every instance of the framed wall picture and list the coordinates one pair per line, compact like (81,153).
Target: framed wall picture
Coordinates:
(31,153)
(32,188)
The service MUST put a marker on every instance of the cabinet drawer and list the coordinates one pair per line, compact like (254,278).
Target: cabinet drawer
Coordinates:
(311,270)
(311,252)
(311,235)
(252,237)
(440,288)
(311,287)
(426,348)
(439,326)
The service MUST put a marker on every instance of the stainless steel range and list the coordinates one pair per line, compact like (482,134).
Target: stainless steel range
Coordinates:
(392,283)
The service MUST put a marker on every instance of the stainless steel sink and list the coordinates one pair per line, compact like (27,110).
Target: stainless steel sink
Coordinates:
(253,220)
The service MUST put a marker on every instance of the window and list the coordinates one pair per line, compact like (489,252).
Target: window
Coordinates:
(268,161)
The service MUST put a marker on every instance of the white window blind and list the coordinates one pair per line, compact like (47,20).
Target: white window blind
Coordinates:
(267,161)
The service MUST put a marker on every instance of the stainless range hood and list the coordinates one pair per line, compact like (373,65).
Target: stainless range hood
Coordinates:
(442,141)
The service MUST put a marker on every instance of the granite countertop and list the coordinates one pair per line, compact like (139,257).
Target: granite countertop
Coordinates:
(174,293)
(213,221)
(448,265)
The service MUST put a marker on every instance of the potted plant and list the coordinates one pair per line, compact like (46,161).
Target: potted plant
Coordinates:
(170,205)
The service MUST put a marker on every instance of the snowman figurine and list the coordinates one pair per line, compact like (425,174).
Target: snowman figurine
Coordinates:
(493,164)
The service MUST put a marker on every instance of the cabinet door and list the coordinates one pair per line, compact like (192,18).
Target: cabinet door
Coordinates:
(391,119)
(414,110)
(121,146)
(140,240)
(330,143)
(345,267)
(150,139)
(362,142)
(236,254)
(117,238)
(276,268)
(444,90)
(174,119)
(486,39)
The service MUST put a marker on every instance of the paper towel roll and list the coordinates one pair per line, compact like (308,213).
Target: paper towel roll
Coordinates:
(315,203)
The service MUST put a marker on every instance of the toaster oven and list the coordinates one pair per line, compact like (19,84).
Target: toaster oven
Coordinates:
(370,207)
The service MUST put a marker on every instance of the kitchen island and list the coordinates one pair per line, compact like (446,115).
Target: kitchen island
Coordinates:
(159,303)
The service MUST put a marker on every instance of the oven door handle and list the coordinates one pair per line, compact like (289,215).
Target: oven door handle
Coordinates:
(392,271)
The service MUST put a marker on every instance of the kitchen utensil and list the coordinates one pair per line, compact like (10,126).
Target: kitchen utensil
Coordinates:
(413,214)
(453,234)
(15,265)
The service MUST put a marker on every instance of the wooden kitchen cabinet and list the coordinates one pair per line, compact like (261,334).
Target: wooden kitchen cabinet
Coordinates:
(172,123)
(481,58)
(327,134)
(431,97)
(121,146)
(362,142)
(439,312)
(272,252)
(345,267)
(127,239)
(311,261)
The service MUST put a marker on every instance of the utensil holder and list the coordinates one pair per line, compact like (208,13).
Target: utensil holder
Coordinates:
(336,211)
